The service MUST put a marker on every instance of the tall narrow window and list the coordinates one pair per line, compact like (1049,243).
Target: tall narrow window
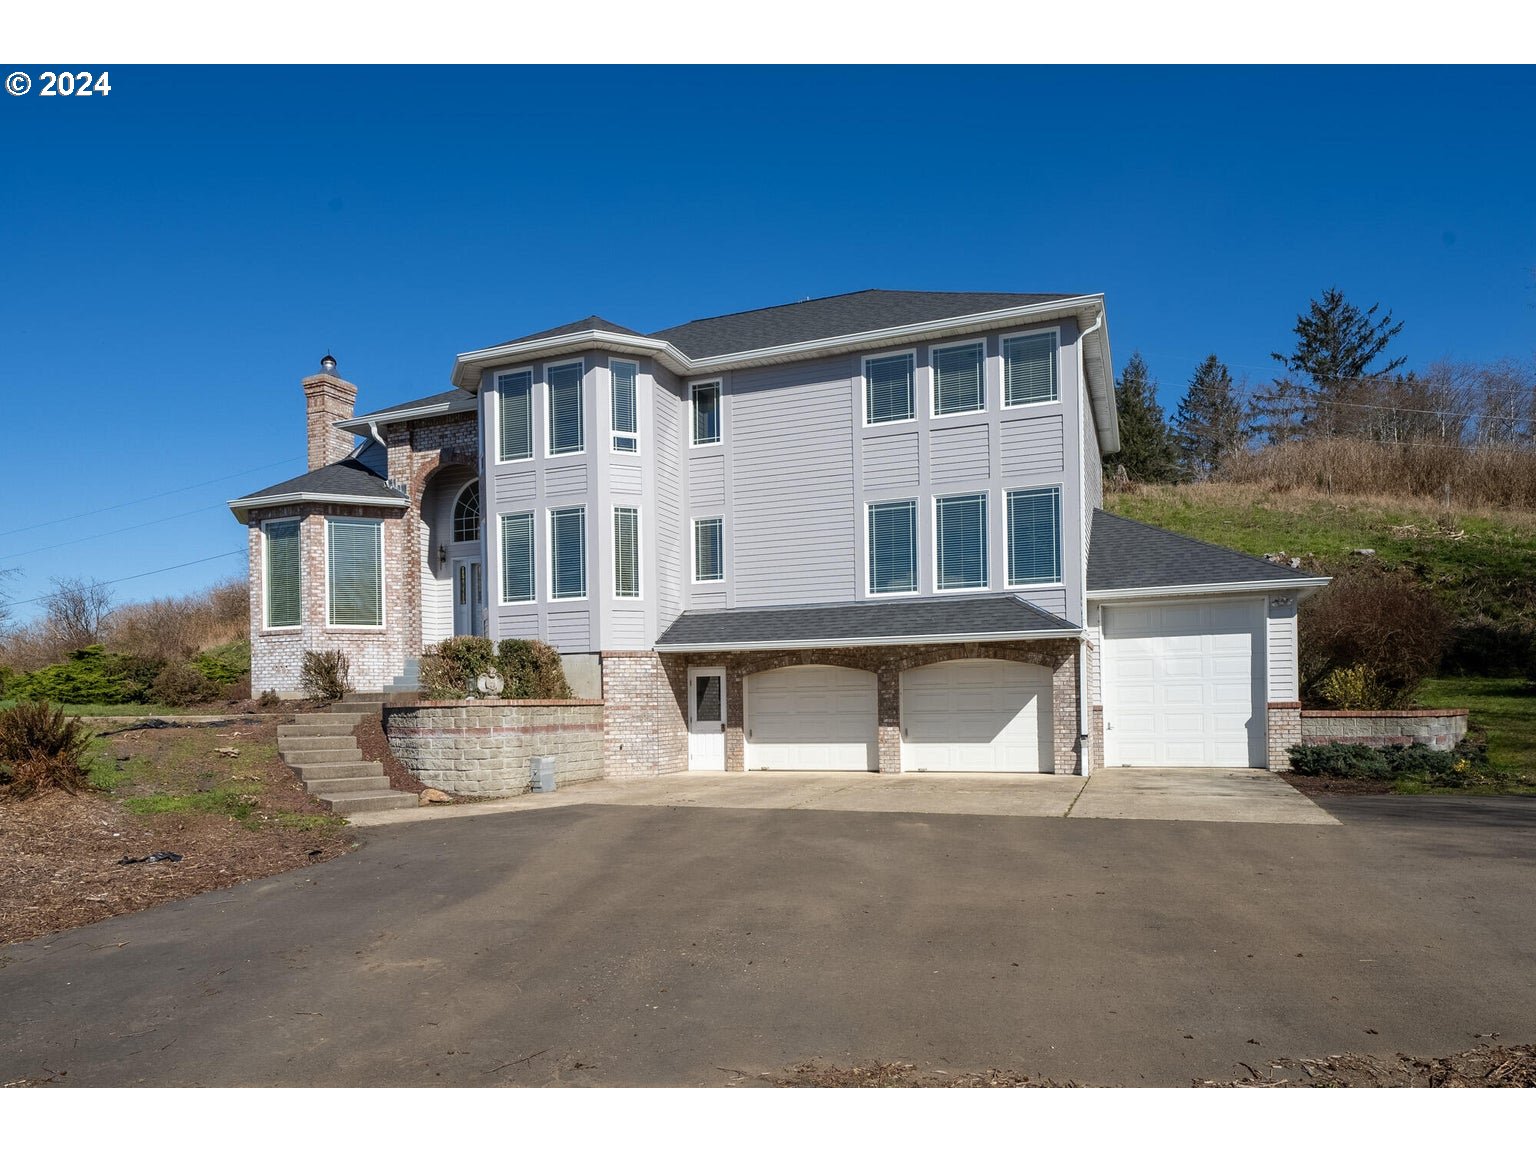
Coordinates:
(708,550)
(706,412)
(893,547)
(466,515)
(1034,536)
(566,433)
(959,383)
(1029,369)
(514,402)
(625,405)
(355,573)
(568,553)
(960,523)
(284,574)
(888,388)
(626,552)
(517,557)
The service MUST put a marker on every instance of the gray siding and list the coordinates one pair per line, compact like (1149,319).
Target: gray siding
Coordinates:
(1033,445)
(668,529)
(890,461)
(706,481)
(959,456)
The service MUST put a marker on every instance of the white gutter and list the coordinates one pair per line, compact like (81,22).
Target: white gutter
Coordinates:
(1306,582)
(871,641)
(239,506)
(367,425)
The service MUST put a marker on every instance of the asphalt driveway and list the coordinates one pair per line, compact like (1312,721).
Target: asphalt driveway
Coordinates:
(608,944)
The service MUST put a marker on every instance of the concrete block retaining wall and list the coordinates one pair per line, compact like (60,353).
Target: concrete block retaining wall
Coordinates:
(1437,727)
(483,747)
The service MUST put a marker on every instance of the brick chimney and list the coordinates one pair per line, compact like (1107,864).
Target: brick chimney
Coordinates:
(327,399)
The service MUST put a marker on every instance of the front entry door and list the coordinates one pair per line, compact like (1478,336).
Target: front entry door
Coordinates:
(706,719)
(468,598)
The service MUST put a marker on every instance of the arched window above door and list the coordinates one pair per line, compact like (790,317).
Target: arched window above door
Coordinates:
(466,515)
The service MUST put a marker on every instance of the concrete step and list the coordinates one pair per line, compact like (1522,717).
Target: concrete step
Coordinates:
(287,743)
(348,802)
(344,755)
(356,707)
(341,722)
(341,770)
(348,784)
(360,697)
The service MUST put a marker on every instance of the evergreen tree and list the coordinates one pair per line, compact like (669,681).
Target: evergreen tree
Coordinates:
(1211,423)
(1337,346)
(1147,451)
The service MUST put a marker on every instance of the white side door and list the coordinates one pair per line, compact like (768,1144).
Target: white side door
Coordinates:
(706,719)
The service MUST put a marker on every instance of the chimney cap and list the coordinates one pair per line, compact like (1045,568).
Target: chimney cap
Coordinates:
(328,363)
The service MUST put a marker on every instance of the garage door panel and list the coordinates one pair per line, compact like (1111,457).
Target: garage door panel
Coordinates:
(976,716)
(1183,684)
(811,718)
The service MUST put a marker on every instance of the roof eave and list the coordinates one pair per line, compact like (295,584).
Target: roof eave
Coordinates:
(1309,583)
(360,425)
(874,641)
(243,507)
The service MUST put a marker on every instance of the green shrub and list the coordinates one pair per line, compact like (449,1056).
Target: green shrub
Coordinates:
(182,684)
(325,675)
(449,669)
(7,677)
(269,699)
(91,675)
(1340,761)
(1352,687)
(225,665)
(1464,766)
(43,748)
(532,671)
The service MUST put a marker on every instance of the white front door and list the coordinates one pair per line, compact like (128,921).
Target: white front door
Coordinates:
(706,719)
(976,716)
(468,598)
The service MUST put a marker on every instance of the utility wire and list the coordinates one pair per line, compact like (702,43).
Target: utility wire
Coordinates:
(136,576)
(111,532)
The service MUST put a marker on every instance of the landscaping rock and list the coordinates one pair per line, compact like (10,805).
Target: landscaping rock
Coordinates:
(433,796)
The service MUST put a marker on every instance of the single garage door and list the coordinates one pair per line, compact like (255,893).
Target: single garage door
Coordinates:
(812,718)
(976,716)
(1183,684)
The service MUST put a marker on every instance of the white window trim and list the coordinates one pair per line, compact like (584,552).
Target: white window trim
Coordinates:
(549,410)
(501,553)
(614,433)
(933,380)
(533,444)
(693,389)
(693,549)
(869,585)
(639,591)
(383,583)
(586,568)
(1002,367)
(864,386)
(453,515)
(266,588)
(1008,539)
(986,544)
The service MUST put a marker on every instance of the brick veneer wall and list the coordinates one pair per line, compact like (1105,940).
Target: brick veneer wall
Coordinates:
(645,730)
(484,747)
(665,682)
(1283,730)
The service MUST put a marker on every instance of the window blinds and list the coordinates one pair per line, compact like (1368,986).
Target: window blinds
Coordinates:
(626,552)
(568,552)
(958,379)
(514,392)
(565,424)
(284,575)
(708,553)
(1029,369)
(893,547)
(962,539)
(888,389)
(1034,536)
(356,572)
(625,418)
(517,557)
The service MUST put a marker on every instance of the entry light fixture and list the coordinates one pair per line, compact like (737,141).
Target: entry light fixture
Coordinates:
(442,555)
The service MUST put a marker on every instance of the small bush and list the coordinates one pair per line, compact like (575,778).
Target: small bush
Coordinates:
(227,664)
(182,684)
(325,675)
(7,677)
(1352,687)
(1340,761)
(449,669)
(269,699)
(43,748)
(1380,623)
(532,671)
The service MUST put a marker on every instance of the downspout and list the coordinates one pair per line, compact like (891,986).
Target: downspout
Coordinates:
(1085,525)
(373,434)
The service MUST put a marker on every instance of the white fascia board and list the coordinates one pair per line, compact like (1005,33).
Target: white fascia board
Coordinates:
(685,366)
(876,641)
(359,424)
(238,507)
(1304,582)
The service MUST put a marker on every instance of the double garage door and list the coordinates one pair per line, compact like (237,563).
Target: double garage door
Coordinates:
(958,716)
(1183,684)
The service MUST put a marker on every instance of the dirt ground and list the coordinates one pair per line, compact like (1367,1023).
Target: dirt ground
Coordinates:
(159,789)
(1332,786)
(1491,1067)
(374,746)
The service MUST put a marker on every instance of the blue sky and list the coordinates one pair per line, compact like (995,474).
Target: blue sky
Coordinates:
(179,253)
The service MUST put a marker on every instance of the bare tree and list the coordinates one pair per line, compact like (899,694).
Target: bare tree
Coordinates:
(6,576)
(75,611)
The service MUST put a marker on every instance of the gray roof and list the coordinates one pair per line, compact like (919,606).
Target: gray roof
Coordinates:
(862,621)
(347,478)
(1126,554)
(455,398)
(830,316)
(590,324)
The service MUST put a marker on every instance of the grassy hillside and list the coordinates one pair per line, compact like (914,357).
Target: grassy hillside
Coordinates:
(1480,564)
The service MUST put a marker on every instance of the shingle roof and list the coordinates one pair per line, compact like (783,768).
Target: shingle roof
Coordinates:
(347,478)
(863,621)
(1125,554)
(830,316)
(591,323)
(455,398)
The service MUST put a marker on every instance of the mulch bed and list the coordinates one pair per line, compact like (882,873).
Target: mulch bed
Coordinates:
(1491,1067)
(62,851)
(1333,786)
(371,740)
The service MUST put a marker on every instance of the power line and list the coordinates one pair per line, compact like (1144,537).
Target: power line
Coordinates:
(145,499)
(137,576)
(111,532)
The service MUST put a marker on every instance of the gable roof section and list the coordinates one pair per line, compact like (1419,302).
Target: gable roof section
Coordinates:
(940,619)
(1127,556)
(346,482)
(831,316)
(455,399)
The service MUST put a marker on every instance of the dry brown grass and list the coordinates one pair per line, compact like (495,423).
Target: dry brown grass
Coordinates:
(1486,477)
(175,627)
